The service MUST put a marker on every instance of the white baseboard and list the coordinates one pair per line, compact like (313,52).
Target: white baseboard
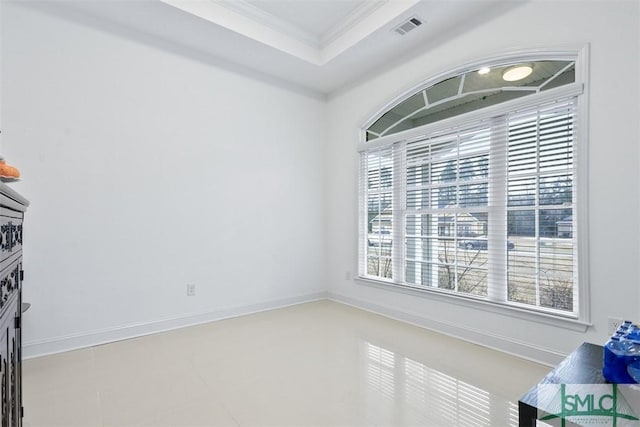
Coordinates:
(74,342)
(520,349)
(507,345)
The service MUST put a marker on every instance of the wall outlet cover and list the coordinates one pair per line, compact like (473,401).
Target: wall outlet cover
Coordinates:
(613,324)
(191,290)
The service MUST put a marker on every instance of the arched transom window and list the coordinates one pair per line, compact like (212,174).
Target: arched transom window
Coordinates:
(472,90)
(470,186)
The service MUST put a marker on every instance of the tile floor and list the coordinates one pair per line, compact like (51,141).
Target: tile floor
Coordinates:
(315,364)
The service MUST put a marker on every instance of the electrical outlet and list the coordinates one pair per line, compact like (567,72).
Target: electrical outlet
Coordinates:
(191,290)
(347,275)
(613,325)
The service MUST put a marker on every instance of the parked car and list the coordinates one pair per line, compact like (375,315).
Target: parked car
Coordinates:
(382,239)
(480,244)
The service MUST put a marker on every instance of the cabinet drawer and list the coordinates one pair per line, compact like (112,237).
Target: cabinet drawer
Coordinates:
(10,232)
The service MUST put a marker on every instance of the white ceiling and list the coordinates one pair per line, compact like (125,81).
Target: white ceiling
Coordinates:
(317,45)
(316,20)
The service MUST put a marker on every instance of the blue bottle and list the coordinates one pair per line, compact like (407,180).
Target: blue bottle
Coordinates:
(622,355)
(632,331)
(614,368)
(634,370)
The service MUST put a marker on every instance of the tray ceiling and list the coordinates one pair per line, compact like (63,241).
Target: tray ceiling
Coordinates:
(315,45)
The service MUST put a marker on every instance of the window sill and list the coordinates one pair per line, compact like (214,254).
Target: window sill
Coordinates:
(494,307)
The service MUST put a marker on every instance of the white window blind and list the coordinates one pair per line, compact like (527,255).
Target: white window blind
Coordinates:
(483,209)
(541,207)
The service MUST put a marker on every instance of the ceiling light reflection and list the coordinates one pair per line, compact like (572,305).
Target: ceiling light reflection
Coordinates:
(517,72)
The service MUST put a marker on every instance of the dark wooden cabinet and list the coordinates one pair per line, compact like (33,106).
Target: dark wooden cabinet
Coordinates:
(12,208)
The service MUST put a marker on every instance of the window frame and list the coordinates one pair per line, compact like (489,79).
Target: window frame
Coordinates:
(399,140)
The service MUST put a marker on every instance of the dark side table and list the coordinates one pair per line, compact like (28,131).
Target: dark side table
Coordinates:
(583,366)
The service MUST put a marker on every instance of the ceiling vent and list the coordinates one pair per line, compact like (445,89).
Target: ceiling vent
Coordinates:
(407,26)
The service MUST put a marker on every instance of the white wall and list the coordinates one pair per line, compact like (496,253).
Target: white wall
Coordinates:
(611,28)
(148,170)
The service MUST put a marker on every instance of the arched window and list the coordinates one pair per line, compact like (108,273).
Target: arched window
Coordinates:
(470,185)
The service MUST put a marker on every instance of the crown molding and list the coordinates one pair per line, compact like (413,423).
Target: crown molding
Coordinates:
(234,19)
(265,18)
(351,20)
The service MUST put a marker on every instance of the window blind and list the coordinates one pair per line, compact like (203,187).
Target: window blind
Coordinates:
(483,209)
(541,207)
